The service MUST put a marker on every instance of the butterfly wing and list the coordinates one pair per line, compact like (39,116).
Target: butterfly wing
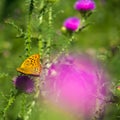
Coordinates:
(31,65)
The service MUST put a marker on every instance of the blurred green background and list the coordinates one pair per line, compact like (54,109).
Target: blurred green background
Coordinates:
(101,38)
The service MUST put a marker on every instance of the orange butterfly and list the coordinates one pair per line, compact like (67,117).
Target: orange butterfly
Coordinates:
(31,66)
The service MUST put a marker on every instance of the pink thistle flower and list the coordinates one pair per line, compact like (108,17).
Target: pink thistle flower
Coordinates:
(78,84)
(85,5)
(72,23)
(24,83)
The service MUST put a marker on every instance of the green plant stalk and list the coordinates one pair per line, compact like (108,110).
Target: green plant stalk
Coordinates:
(48,46)
(9,103)
(28,40)
(23,106)
(26,117)
(41,41)
(20,31)
(32,105)
(65,48)
(29,30)
(40,46)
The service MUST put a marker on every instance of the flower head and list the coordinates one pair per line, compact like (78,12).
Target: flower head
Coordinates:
(72,23)
(84,5)
(77,83)
(24,83)
(118,87)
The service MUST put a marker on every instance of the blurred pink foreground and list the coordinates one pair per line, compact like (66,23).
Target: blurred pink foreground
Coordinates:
(78,84)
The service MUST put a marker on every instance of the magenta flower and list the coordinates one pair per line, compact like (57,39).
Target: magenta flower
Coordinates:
(78,84)
(72,23)
(85,5)
(24,83)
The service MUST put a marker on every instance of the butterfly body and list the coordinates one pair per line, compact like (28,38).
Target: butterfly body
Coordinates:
(31,66)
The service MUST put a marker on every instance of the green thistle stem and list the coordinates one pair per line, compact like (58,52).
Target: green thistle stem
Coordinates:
(41,41)
(9,103)
(42,11)
(50,16)
(20,31)
(29,30)
(23,106)
(28,40)
(40,45)
(26,117)
(71,39)
(48,46)
(31,7)
(30,108)
(65,48)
